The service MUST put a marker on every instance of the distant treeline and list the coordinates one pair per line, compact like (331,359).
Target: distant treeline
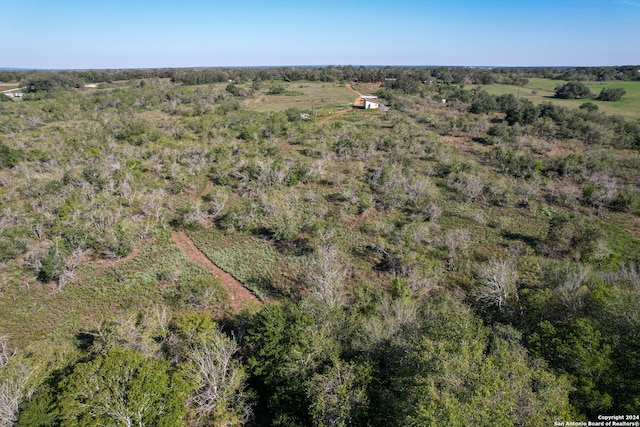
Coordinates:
(456,75)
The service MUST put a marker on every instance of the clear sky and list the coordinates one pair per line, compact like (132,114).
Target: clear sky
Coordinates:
(190,33)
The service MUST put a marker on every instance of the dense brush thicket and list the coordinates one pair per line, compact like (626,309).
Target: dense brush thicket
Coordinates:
(469,262)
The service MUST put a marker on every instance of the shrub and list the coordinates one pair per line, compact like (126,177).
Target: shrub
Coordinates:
(516,164)
(498,134)
(573,236)
(625,200)
(8,157)
(198,292)
(590,106)
(611,94)
(53,264)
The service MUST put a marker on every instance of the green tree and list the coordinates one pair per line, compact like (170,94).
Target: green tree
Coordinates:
(277,89)
(483,103)
(121,388)
(440,365)
(518,110)
(489,380)
(581,351)
(497,134)
(571,235)
(287,347)
(573,90)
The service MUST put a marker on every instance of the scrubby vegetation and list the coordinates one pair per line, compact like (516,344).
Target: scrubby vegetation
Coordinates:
(472,261)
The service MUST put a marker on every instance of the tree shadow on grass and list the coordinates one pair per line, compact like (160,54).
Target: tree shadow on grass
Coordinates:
(85,340)
(532,242)
(296,247)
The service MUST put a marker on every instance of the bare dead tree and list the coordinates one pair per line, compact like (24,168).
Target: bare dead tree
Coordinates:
(220,396)
(457,241)
(571,291)
(70,265)
(5,353)
(471,186)
(606,190)
(326,275)
(498,284)
(152,205)
(15,384)
(217,203)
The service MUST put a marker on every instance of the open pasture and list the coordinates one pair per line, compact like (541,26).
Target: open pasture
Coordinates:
(323,97)
(540,90)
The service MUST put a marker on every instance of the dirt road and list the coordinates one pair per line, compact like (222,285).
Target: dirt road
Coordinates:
(240,296)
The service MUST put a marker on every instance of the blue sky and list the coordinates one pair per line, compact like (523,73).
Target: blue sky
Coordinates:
(188,33)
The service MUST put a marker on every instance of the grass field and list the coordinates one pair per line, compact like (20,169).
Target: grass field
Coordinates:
(543,90)
(323,97)
(100,291)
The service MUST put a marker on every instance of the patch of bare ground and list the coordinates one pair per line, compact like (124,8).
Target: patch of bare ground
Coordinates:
(239,295)
(205,190)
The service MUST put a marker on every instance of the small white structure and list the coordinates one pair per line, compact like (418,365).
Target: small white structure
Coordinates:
(371,105)
(11,93)
(370,102)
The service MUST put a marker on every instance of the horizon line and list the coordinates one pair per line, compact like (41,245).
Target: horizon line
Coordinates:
(10,69)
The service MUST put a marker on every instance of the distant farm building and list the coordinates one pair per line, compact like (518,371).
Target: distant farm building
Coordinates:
(367,102)
(370,104)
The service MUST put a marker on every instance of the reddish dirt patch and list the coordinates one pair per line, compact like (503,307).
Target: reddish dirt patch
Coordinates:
(240,296)
(205,190)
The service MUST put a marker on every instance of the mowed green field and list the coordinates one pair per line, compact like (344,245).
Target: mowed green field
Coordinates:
(543,90)
(324,97)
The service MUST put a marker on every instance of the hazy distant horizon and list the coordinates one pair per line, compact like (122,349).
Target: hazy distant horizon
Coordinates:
(22,69)
(136,34)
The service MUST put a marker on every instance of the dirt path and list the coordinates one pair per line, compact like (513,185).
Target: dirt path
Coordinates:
(352,89)
(205,190)
(240,296)
(346,110)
